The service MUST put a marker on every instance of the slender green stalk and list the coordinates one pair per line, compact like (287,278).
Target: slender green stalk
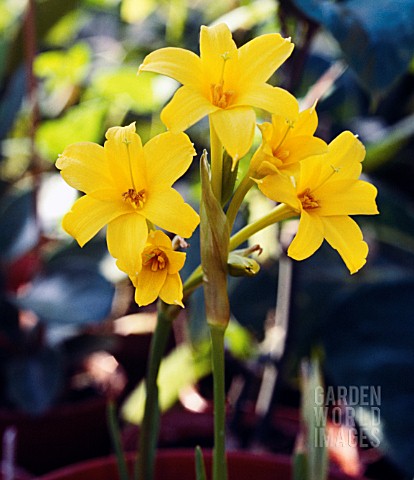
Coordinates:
(281,212)
(116,440)
(219,453)
(244,186)
(193,282)
(216,149)
(144,468)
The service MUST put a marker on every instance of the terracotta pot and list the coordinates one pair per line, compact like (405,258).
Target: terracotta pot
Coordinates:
(64,435)
(177,464)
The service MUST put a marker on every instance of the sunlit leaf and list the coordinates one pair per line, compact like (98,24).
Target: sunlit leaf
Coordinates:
(63,67)
(137,10)
(81,123)
(124,86)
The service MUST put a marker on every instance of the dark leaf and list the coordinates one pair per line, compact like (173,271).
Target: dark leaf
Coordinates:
(69,292)
(376,36)
(34,382)
(18,229)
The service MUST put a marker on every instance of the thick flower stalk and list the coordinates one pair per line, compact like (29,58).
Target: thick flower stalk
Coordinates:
(325,193)
(127,187)
(159,275)
(226,83)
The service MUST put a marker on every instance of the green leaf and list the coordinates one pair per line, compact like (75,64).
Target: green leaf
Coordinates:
(63,67)
(214,239)
(393,140)
(191,365)
(315,421)
(199,462)
(300,466)
(135,92)
(81,123)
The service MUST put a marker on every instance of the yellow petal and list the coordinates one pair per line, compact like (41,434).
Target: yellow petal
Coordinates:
(172,290)
(187,107)
(216,43)
(235,128)
(168,156)
(314,172)
(307,122)
(84,167)
(300,147)
(160,239)
(280,188)
(126,238)
(148,285)
(182,65)
(308,238)
(87,217)
(166,209)
(345,236)
(347,197)
(260,57)
(123,150)
(176,261)
(271,99)
(346,153)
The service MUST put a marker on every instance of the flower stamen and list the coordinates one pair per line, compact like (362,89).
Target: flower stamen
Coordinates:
(156,260)
(308,201)
(220,97)
(136,199)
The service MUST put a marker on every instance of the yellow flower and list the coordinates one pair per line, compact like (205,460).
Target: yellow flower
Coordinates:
(324,194)
(285,144)
(126,185)
(225,83)
(159,275)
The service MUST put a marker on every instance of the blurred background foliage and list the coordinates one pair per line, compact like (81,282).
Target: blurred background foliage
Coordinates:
(68,72)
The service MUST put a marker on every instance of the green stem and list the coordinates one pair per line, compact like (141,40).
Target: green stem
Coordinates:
(281,212)
(116,440)
(244,186)
(193,282)
(216,149)
(144,468)
(219,452)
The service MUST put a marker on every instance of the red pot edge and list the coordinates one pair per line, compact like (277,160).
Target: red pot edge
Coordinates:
(168,454)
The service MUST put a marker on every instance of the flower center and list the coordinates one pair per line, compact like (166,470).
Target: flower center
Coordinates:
(136,199)
(219,97)
(156,260)
(308,200)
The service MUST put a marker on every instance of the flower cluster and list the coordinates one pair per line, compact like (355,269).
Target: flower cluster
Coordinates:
(128,186)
